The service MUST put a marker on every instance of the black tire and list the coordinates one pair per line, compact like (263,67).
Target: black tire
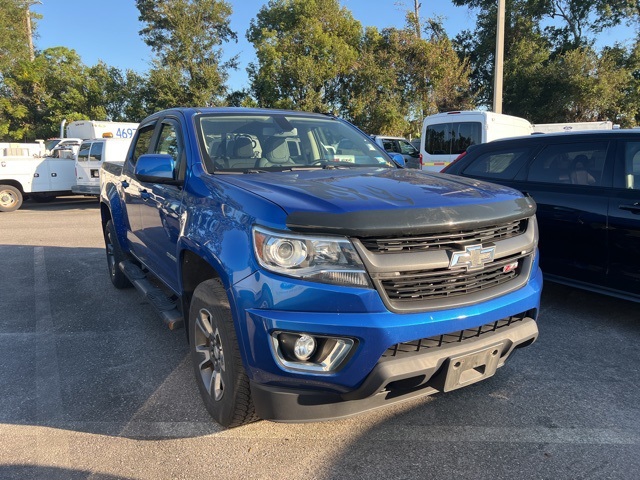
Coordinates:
(10,198)
(215,356)
(115,255)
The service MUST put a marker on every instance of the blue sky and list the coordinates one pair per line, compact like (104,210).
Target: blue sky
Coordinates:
(108,30)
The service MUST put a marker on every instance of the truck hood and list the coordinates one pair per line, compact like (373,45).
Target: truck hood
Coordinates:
(361,201)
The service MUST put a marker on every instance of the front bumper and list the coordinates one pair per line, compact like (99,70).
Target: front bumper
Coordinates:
(397,379)
(369,378)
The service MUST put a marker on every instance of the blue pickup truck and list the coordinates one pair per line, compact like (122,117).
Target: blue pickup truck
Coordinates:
(316,278)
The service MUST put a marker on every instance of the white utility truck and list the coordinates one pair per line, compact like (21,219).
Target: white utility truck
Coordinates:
(44,171)
(447,135)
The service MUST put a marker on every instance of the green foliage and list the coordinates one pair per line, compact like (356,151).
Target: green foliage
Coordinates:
(553,74)
(186,36)
(304,48)
(14,44)
(313,55)
(36,96)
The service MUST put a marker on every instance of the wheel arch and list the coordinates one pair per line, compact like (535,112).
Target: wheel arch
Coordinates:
(194,269)
(13,183)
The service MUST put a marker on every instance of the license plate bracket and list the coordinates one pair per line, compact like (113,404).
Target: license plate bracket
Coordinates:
(465,369)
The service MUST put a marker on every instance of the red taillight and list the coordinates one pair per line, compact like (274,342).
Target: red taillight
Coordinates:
(420,160)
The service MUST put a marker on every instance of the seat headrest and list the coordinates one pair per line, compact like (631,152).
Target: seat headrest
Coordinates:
(243,148)
(277,150)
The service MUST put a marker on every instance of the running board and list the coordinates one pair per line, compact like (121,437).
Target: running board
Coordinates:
(163,305)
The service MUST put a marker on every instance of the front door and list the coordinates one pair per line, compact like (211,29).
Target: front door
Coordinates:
(568,182)
(133,191)
(161,207)
(624,221)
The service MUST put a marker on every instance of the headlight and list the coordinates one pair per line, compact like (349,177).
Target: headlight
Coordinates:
(319,259)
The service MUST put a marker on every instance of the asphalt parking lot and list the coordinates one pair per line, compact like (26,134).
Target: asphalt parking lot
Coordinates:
(93,385)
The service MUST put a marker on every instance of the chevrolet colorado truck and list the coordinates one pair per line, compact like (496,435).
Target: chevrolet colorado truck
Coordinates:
(316,284)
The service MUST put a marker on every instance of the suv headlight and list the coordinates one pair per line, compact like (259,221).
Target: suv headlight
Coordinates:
(319,259)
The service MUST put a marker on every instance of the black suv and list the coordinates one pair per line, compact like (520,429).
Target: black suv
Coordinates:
(587,187)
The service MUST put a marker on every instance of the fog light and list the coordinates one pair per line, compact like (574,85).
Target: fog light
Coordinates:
(304,347)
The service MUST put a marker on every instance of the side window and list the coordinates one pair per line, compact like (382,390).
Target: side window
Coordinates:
(632,165)
(96,152)
(170,143)
(389,145)
(83,153)
(406,148)
(504,164)
(142,142)
(572,164)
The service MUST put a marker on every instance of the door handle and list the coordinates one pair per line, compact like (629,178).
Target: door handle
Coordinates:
(124,184)
(635,208)
(144,194)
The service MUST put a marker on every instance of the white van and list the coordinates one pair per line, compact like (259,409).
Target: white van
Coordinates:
(447,135)
(89,160)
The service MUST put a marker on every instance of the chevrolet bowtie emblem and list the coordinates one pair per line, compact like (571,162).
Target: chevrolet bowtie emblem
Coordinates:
(472,257)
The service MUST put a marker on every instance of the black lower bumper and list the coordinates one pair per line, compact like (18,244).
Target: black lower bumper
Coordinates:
(396,379)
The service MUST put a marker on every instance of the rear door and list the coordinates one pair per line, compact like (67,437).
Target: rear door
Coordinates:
(624,220)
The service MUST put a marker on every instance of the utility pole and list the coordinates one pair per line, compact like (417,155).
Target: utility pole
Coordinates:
(497,71)
(27,5)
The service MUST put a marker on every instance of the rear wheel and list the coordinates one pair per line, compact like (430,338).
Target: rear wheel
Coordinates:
(10,198)
(115,255)
(215,355)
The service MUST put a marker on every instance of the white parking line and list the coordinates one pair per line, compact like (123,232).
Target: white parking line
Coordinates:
(47,376)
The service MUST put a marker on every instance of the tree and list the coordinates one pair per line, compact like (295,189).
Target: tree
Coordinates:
(400,78)
(538,84)
(38,95)
(186,36)
(373,95)
(303,49)
(14,44)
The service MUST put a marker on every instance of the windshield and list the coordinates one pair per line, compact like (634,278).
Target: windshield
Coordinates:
(261,142)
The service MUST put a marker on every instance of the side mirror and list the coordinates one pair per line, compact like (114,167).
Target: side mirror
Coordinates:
(155,168)
(398,158)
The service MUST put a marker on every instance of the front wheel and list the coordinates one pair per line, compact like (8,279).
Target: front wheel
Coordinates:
(115,255)
(10,198)
(215,355)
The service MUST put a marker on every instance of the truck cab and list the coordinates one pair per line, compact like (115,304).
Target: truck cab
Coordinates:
(89,160)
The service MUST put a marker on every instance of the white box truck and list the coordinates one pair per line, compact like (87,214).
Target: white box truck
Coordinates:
(86,129)
(447,135)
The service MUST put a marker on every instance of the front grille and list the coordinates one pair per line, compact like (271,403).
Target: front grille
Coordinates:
(445,282)
(444,240)
(437,341)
